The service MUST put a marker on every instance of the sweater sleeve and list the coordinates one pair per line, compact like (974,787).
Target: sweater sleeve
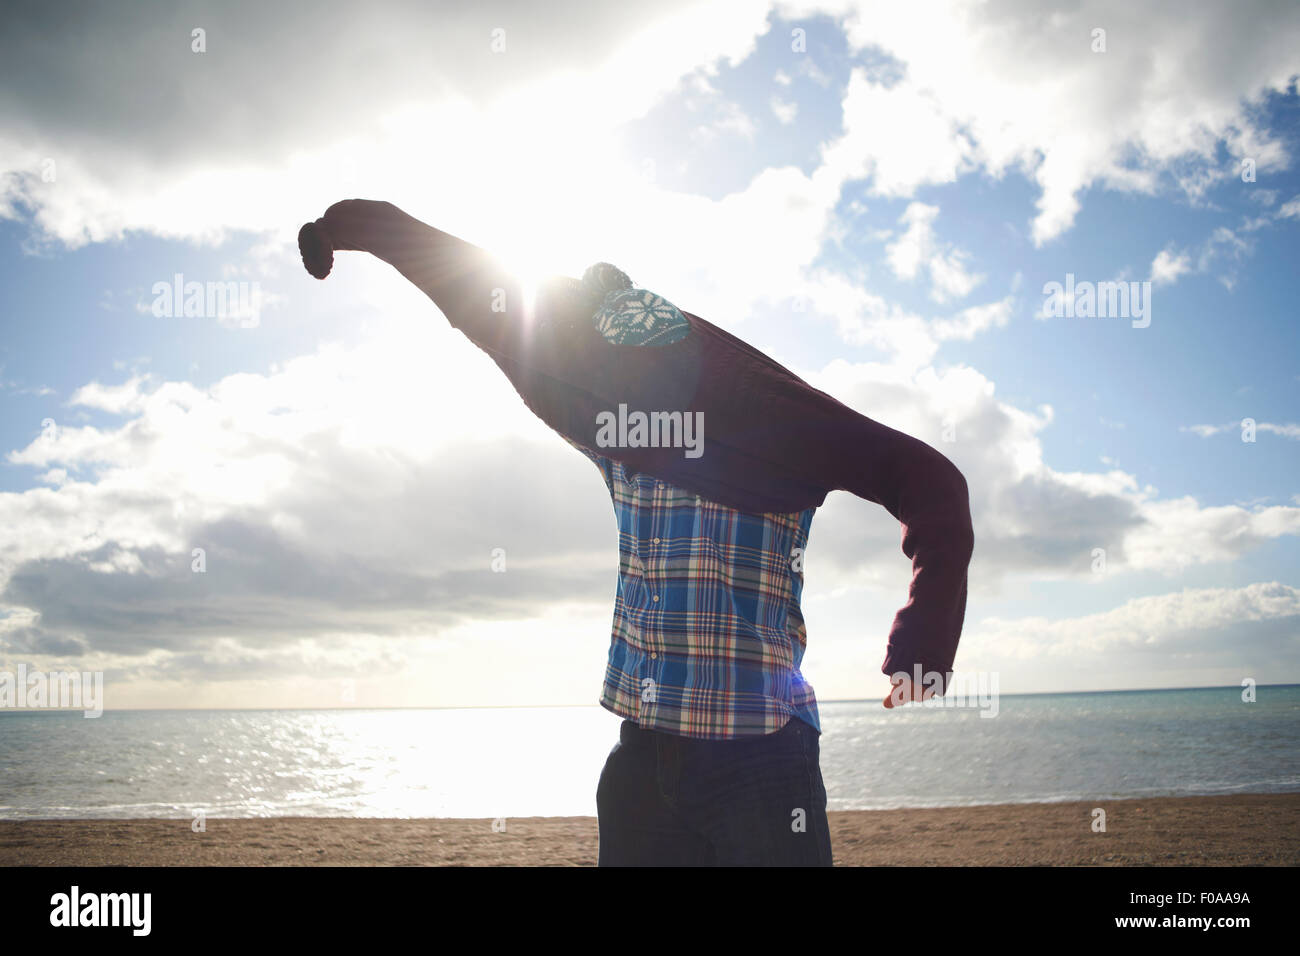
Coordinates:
(555,367)
(475,292)
(557,360)
(929,497)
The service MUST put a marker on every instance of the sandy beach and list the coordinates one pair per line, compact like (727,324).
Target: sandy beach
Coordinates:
(1242,830)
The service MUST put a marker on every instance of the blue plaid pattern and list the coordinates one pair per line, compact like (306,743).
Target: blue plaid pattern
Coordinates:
(708,634)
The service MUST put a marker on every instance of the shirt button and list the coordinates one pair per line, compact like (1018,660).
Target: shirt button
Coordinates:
(661,486)
(655,598)
(656,540)
(654,657)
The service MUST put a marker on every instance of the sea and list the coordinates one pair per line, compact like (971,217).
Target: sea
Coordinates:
(546,761)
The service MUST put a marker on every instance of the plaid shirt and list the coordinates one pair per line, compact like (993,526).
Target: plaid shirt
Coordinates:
(707,635)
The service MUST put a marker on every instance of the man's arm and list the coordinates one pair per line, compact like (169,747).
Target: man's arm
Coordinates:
(929,497)
(476,293)
(790,441)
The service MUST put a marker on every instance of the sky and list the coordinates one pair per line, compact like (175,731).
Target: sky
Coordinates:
(903,203)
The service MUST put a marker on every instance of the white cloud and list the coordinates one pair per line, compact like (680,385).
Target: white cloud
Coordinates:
(1289,209)
(899,137)
(998,87)
(1222,249)
(1030,519)
(970,322)
(1192,636)
(127,159)
(971,96)
(1152,623)
(918,249)
(1168,266)
(344,497)
(784,110)
(731,120)
(347,493)
(1182,533)
(1286,430)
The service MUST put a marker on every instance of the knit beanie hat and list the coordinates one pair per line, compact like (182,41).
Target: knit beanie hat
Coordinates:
(622,313)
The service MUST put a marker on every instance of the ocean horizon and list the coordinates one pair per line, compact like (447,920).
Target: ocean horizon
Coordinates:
(494,762)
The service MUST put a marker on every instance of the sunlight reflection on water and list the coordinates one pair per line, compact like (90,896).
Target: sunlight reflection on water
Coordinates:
(513,762)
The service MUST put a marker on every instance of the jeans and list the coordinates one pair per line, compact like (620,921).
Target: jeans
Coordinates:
(667,800)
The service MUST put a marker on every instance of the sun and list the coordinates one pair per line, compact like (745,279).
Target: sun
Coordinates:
(539,240)
(538,184)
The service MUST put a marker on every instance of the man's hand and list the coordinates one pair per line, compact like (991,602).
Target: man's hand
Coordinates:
(905,691)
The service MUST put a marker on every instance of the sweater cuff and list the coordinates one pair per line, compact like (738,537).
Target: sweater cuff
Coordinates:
(922,673)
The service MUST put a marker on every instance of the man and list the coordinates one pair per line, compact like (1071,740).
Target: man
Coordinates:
(718,757)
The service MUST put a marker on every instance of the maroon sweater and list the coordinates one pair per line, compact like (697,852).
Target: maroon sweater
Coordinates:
(772,442)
